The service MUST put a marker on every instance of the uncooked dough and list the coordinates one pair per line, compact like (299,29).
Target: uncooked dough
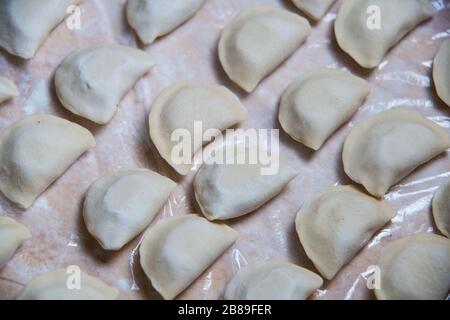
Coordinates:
(154,18)
(319,102)
(337,223)
(441,72)
(273,281)
(119,206)
(415,268)
(35,151)
(441,208)
(177,250)
(257,41)
(367,29)
(24,24)
(314,9)
(12,234)
(93,80)
(8,89)
(382,150)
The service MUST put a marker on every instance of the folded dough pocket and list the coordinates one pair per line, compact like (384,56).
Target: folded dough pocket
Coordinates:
(12,234)
(8,89)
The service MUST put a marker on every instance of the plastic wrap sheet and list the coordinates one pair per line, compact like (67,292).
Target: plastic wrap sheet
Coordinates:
(59,236)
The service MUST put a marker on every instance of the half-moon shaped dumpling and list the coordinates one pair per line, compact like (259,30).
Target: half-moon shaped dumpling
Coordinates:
(120,205)
(314,9)
(257,41)
(316,104)
(8,89)
(63,285)
(273,281)
(225,191)
(367,29)
(384,149)
(154,18)
(12,234)
(441,208)
(180,107)
(337,223)
(415,268)
(35,151)
(92,81)
(441,72)
(22,26)
(177,250)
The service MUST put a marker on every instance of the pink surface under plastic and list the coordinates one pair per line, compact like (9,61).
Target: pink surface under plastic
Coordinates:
(60,238)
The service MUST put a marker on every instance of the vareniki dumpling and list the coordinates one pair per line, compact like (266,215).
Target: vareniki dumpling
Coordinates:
(314,9)
(385,148)
(180,107)
(63,284)
(367,29)
(154,18)
(257,40)
(337,223)
(120,205)
(93,80)
(441,72)
(318,103)
(24,24)
(8,89)
(225,191)
(273,281)
(12,234)
(441,208)
(177,250)
(415,268)
(35,151)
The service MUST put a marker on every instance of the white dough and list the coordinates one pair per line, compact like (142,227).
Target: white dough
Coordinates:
(35,151)
(226,191)
(177,250)
(120,205)
(12,234)
(257,41)
(24,24)
(358,34)
(441,208)
(337,223)
(415,268)
(441,72)
(154,18)
(273,281)
(314,9)
(60,285)
(8,89)
(382,150)
(316,104)
(180,106)
(93,80)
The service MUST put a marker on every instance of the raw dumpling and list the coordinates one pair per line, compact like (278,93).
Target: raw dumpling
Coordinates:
(257,41)
(358,34)
(336,224)
(8,89)
(182,104)
(273,281)
(12,234)
(54,286)
(441,72)
(24,24)
(441,208)
(226,191)
(316,104)
(177,250)
(35,151)
(154,18)
(120,205)
(415,268)
(92,81)
(314,9)
(384,149)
